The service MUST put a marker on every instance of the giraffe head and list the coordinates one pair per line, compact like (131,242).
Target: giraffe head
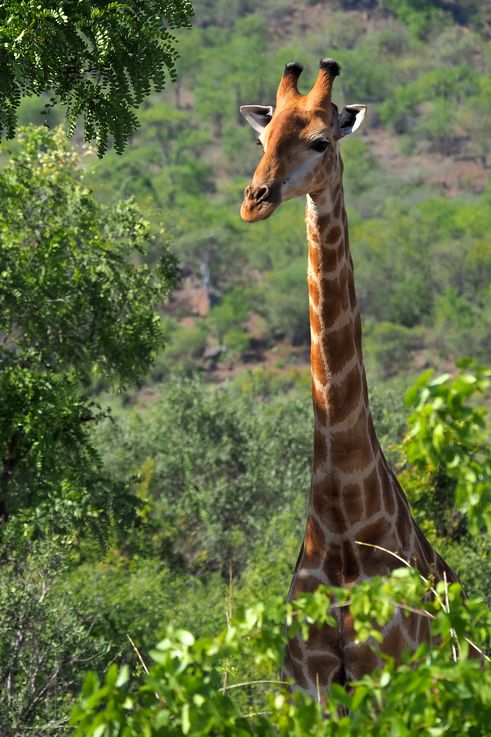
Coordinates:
(300,141)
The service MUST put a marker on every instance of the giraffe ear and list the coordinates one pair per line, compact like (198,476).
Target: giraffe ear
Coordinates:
(257,115)
(350,118)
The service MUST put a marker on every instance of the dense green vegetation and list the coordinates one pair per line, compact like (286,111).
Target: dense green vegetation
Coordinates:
(423,260)
(74,309)
(99,61)
(143,488)
(186,690)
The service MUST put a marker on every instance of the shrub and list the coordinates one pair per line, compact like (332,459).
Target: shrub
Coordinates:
(193,687)
(390,346)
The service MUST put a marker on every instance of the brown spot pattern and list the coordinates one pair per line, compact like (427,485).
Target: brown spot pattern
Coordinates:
(314,543)
(329,260)
(295,670)
(372,493)
(315,255)
(393,644)
(330,512)
(351,568)
(324,221)
(334,234)
(353,503)
(320,448)
(320,669)
(347,397)
(315,323)
(318,365)
(314,296)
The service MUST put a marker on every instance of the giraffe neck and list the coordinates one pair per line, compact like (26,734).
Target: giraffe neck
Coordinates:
(346,449)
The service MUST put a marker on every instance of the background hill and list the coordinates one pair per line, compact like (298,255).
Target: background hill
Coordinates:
(415,180)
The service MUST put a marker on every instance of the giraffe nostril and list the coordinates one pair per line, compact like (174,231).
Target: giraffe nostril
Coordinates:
(261,193)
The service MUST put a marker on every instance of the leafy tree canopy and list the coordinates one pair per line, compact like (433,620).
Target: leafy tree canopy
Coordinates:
(76,306)
(98,60)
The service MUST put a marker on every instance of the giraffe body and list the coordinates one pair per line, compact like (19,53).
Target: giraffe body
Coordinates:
(354,497)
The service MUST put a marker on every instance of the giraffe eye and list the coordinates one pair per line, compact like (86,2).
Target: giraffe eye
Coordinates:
(258,141)
(319,145)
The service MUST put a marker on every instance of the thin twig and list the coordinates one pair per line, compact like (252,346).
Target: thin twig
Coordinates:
(453,634)
(403,560)
(481,652)
(432,589)
(412,609)
(250,683)
(229,614)
(138,654)
(140,658)
(230,595)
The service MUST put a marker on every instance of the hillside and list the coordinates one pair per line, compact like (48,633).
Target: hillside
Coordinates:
(415,179)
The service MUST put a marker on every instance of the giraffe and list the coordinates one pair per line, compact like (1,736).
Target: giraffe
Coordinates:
(354,496)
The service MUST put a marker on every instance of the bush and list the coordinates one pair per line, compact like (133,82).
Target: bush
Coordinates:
(448,444)
(236,340)
(46,643)
(77,305)
(218,464)
(189,691)
(230,313)
(186,344)
(390,345)
(461,325)
(286,303)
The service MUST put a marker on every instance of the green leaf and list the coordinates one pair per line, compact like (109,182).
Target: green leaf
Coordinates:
(186,723)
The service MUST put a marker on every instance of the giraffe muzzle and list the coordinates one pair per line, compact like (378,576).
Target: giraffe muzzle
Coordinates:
(260,201)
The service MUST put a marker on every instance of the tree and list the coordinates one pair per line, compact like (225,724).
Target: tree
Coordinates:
(475,121)
(76,307)
(448,443)
(98,60)
(420,16)
(213,463)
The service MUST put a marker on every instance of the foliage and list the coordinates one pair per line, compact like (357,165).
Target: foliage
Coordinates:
(187,690)
(461,326)
(429,107)
(476,552)
(217,466)
(139,596)
(99,62)
(420,16)
(428,264)
(236,341)
(186,345)
(75,307)
(230,313)
(62,613)
(286,304)
(390,346)
(476,123)
(447,440)
(46,643)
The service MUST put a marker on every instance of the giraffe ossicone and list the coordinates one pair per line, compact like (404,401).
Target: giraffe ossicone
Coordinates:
(354,497)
